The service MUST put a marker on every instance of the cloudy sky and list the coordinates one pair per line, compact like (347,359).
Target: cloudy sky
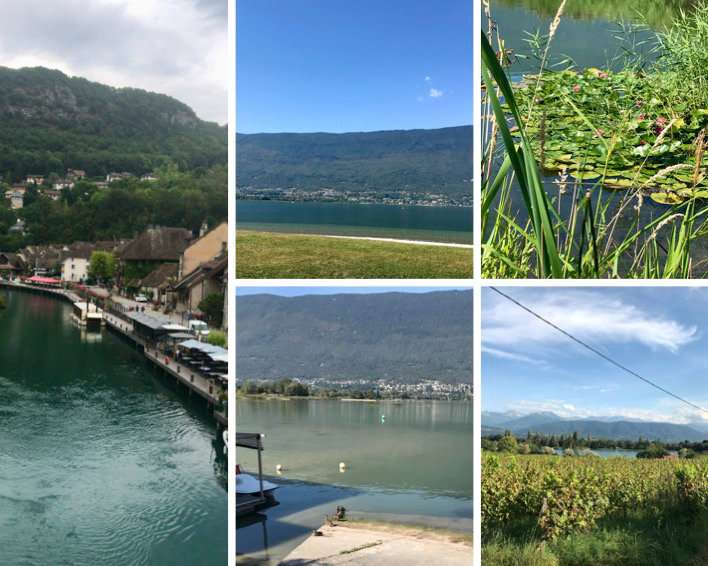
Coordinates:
(341,66)
(175,47)
(661,333)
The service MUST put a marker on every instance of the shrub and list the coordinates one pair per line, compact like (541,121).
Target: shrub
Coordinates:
(217,339)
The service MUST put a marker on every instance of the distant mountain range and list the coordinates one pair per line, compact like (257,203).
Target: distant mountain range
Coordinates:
(596,427)
(400,337)
(422,161)
(50,122)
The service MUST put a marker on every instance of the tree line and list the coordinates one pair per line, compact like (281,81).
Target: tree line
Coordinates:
(536,443)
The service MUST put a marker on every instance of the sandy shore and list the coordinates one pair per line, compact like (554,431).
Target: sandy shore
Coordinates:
(396,240)
(366,543)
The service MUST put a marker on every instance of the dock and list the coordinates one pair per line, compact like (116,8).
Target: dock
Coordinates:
(119,321)
(249,503)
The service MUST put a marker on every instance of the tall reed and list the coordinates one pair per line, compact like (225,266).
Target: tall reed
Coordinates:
(587,241)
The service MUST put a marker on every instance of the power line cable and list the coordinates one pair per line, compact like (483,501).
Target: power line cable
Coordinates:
(595,351)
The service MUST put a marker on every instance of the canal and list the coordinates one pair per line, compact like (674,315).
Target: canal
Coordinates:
(103,459)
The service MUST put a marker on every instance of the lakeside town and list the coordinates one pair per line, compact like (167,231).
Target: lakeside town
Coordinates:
(368,196)
(428,389)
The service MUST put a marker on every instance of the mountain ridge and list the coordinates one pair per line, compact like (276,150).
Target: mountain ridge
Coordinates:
(415,160)
(404,337)
(615,429)
(50,121)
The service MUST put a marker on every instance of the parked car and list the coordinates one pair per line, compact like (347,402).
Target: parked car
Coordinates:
(141,298)
(198,328)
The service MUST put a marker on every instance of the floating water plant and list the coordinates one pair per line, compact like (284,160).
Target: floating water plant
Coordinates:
(616,129)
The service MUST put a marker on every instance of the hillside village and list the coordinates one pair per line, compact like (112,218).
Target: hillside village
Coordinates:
(170,269)
(52,186)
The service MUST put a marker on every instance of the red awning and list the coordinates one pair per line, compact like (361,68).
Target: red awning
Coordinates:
(39,279)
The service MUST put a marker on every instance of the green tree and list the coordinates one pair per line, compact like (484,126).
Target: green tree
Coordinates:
(102,265)
(213,306)
(507,443)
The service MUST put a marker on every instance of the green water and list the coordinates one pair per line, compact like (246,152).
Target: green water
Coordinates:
(588,33)
(428,223)
(102,459)
(417,465)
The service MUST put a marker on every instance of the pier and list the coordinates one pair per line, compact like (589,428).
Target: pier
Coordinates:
(120,321)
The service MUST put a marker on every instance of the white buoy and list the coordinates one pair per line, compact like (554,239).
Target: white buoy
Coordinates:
(279,468)
(342,465)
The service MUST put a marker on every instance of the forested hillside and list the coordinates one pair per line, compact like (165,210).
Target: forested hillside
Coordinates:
(421,161)
(402,337)
(50,122)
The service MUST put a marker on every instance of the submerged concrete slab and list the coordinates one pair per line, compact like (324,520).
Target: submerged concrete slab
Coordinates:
(365,543)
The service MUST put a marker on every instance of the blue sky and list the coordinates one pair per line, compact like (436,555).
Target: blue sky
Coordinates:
(297,291)
(353,65)
(661,333)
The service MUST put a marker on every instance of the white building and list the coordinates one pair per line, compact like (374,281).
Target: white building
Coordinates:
(74,269)
(17,200)
(61,184)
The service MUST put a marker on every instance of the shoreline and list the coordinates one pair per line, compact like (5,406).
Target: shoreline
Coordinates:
(400,241)
(371,238)
(375,542)
(470,206)
(262,397)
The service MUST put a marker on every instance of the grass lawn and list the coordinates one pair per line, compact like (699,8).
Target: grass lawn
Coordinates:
(291,256)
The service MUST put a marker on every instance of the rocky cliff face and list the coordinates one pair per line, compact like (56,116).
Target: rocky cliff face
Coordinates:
(45,95)
(50,122)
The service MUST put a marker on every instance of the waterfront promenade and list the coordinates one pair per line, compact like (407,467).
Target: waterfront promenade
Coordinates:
(120,322)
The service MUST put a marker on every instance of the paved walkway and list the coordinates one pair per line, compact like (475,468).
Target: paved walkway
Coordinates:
(130,303)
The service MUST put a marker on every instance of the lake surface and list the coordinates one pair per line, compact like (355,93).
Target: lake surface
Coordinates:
(589,33)
(608,453)
(416,465)
(102,459)
(429,223)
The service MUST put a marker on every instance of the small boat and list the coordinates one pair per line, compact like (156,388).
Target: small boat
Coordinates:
(247,484)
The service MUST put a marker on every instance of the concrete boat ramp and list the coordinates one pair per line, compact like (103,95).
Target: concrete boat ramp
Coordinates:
(381,544)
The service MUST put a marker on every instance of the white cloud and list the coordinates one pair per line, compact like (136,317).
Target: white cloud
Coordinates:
(592,317)
(419,99)
(435,93)
(175,47)
(428,79)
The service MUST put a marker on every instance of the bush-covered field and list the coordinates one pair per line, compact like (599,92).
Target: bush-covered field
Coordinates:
(559,510)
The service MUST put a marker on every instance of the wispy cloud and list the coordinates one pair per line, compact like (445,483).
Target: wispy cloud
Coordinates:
(435,93)
(591,316)
(512,356)
(428,79)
